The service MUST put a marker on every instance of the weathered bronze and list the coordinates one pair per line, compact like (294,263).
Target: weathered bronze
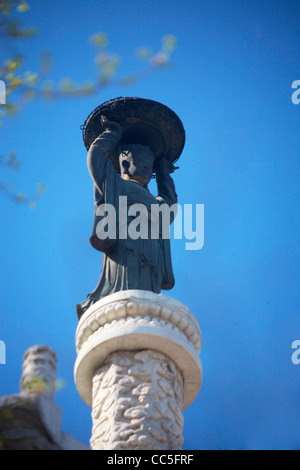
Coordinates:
(135,138)
(143,121)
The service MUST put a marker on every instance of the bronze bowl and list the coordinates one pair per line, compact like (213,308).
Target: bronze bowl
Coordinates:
(144,122)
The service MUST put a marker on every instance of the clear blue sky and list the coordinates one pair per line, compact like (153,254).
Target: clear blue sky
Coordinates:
(231,86)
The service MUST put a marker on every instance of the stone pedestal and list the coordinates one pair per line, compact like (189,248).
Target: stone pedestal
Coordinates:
(138,368)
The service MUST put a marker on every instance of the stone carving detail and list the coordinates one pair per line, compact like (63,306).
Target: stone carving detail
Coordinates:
(138,310)
(137,403)
(39,372)
(135,320)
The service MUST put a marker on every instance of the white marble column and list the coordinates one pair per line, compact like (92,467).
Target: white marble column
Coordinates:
(138,368)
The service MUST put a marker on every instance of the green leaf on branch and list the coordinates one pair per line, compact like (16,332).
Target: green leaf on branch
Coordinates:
(169,43)
(144,53)
(99,40)
(23,7)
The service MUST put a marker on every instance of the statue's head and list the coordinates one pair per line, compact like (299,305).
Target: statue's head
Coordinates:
(136,162)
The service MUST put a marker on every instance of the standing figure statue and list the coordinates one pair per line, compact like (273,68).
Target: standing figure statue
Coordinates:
(142,263)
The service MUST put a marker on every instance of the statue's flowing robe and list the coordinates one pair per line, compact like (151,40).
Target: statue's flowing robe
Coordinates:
(143,264)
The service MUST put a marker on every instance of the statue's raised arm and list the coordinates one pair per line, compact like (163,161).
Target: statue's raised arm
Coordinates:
(165,184)
(99,158)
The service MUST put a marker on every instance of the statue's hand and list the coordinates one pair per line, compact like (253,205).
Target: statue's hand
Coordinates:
(111,125)
(164,165)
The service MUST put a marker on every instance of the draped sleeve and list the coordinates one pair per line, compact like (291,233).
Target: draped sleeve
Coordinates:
(166,195)
(166,190)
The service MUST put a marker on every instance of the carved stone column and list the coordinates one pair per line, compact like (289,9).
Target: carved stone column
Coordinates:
(138,368)
(39,372)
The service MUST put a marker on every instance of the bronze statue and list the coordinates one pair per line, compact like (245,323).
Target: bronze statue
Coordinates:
(142,263)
